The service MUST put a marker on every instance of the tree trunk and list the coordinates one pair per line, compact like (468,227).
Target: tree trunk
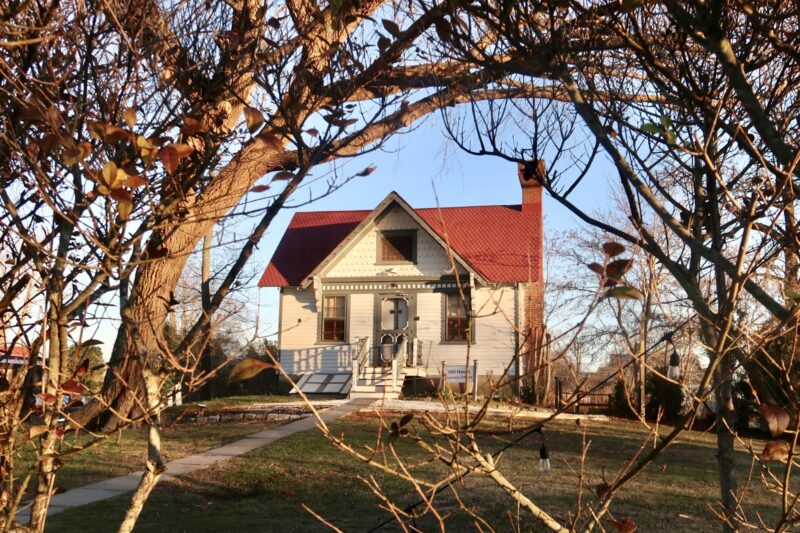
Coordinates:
(205,293)
(725,441)
(154,466)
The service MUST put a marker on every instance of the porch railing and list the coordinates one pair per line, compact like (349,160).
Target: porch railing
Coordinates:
(360,358)
(399,360)
(415,352)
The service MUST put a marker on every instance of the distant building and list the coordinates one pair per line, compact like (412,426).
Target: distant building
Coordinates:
(12,358)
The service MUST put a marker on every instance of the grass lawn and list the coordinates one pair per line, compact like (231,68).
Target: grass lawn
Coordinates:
(122,455)
(264,490)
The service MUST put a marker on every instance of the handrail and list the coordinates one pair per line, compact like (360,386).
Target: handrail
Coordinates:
(360,358)
(399,361)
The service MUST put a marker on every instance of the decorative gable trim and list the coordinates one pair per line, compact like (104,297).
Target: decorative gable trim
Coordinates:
(365,225)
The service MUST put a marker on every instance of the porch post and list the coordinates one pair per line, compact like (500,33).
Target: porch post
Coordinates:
(354,364)
(475,379)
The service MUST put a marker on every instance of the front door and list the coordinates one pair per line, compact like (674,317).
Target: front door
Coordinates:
(394,322)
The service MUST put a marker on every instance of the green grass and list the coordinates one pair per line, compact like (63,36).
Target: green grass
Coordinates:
(119,455)
(264,490)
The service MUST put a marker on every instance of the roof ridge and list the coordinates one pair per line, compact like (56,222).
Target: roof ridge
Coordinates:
(333,211)
(469,206)
(414,208)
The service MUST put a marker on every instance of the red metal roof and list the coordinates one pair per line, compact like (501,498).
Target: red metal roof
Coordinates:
(500,242)
(308,240)
(14,355)
(16,349)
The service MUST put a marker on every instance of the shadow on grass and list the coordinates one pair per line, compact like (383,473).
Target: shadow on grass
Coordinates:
(264,489)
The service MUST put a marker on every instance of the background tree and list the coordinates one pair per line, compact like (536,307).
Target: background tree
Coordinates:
(92,358)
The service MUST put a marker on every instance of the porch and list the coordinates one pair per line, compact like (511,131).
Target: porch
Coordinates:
(375,371)
(379,371)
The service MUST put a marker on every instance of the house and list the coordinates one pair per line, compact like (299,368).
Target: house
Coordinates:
(370,299)
(12,358)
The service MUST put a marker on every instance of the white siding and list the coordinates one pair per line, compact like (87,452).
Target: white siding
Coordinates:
(495,338)
(361,258)
(299,350)
(361,315)
(494,345)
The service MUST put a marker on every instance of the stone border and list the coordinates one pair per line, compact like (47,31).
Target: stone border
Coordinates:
(273,412)
(237,416)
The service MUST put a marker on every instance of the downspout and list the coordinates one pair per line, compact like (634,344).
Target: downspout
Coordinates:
(517,347)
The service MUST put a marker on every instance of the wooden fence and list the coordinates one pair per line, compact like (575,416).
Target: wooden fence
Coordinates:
(584,403)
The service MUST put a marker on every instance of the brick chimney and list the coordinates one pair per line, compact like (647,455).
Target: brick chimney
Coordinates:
(531,177)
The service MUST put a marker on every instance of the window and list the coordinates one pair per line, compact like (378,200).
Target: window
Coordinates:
(334,318)
(397,247)
(456,320)
(394,314)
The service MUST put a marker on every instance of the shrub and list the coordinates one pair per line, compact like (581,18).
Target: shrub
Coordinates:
(744,405)
(619,404)
(665,396)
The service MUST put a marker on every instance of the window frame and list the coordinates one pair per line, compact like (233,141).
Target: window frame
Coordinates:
(321,313)
(384,234)
(470,337)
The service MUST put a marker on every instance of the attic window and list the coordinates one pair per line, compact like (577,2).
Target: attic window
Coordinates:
(397,247)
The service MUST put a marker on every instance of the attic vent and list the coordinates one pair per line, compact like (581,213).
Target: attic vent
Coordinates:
(397,247)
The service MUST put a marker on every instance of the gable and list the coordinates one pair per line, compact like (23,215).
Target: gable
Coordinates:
(361,258)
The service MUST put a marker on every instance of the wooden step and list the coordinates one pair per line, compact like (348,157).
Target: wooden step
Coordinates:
(363,388)
(374,395)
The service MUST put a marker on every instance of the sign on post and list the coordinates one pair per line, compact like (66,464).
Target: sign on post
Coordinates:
(456,373)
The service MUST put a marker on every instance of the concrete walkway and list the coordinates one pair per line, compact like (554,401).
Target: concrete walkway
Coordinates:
(111,488)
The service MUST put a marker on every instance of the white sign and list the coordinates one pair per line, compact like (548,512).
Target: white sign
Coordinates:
(456,373)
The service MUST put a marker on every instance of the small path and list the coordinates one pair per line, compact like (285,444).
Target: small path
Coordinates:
(111,488)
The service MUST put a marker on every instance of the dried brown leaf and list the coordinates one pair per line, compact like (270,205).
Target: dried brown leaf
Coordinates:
(597,268)
(625,525)
(254,119)
(612,249)
(37,430)
(776,418)
(283,175)
(248,368)
(130,117)
(624,293)
(776,450)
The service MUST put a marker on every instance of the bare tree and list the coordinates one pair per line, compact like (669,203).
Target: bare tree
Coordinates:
(131,129)
(695,107)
